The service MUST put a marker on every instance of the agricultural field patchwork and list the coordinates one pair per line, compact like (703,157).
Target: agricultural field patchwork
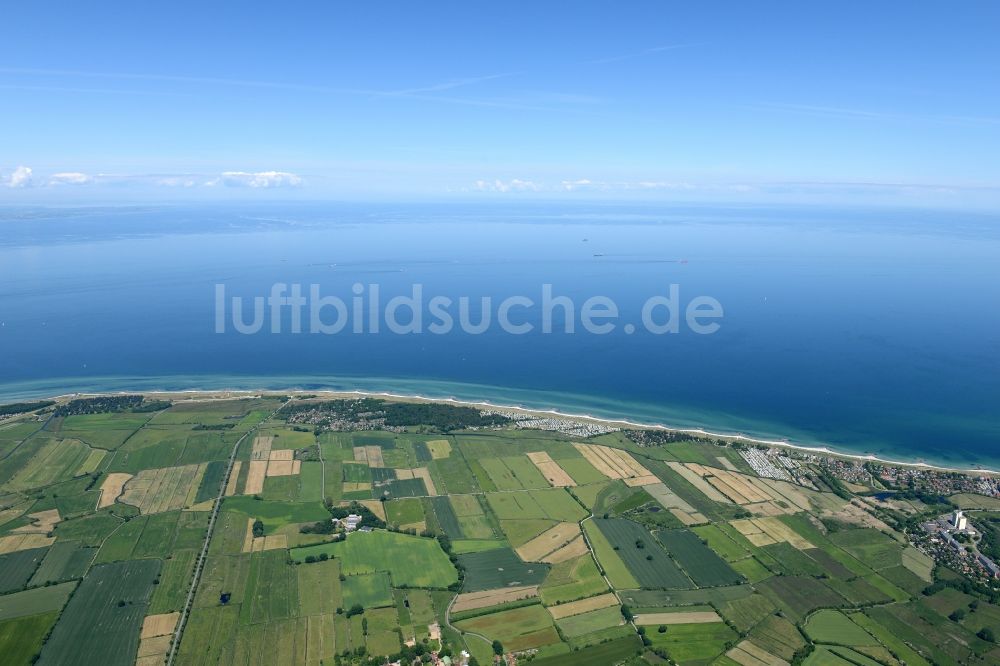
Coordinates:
(392,539)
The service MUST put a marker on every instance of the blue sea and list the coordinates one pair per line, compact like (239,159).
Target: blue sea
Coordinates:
(865,330)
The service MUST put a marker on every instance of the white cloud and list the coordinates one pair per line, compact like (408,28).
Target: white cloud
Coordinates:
(20,178)
(570,185)
(260,179)
(179,181)
(70,178)
(658,185)
(514,185)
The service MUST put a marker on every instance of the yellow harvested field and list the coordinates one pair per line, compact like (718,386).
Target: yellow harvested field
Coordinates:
(439,448)
(707,489)
(111,488)
(763,497)
(255,477)
(192,493)
(760,539)
(598,462)
(749,654)
(425,474)
(14,542)
(789,491)
(752,532)
(766,530)
(350,486)
(583,606)
(296,467)
(252,544)
(486,598)
(270,542)
(248,536)
(42,522)
(550,469)
(548,541)
(234,478)
(693,518)
(159,625)
(690,617)
(376,507)
(281,468)
(572,550)
(683,511)
(164,489)
(153,650)
(375,456)
(281,454)
(404,474)
(202,506)
(778,531)
(612,463)
(261,447)
(765,509)
(646,480)
(369,455)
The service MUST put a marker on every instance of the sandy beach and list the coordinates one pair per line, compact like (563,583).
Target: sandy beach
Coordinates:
(223,394)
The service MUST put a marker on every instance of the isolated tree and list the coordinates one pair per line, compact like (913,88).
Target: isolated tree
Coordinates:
(497,648)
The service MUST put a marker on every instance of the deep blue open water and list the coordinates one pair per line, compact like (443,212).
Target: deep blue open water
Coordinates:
(867,330)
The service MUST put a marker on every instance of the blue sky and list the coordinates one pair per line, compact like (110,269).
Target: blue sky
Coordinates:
(852,102)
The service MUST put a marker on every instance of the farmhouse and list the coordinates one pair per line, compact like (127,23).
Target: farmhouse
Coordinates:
(349,524)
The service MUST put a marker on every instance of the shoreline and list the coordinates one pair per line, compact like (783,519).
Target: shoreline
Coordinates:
(224,393)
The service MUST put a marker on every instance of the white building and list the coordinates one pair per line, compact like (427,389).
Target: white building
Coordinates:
(959,521)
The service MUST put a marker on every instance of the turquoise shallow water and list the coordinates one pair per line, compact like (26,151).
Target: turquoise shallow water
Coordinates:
(869,331)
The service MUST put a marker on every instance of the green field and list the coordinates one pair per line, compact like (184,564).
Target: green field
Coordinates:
(830,626)
(746,612)
(799,595)
(611,564)
(367,590)
(404,511)
(585,623)
(554,504)
(277,514)
(693,643)
(36,600)
(65,560)
(17,568)
(21,639)
(411,561)
(499,567)
(856,597)
(699,561)
(517,629)
(645,558)
(320,589)
(573,579)
(100,624)
(612,652)
(446,518)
